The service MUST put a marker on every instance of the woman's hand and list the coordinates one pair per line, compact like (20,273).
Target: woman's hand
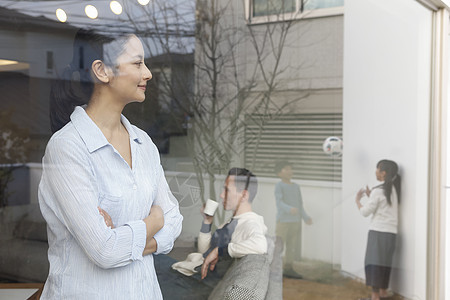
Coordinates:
(157,213)
(368,191)
(150,247)
(107,217)
(359,195)
(154,221)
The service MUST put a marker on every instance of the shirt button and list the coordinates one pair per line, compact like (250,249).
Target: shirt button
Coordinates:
(134,187)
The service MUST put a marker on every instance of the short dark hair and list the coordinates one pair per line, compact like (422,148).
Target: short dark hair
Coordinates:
(279,165)
(245,180)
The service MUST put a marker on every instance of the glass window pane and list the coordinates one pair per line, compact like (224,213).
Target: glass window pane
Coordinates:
(183,104)
(316,4)
(272,7)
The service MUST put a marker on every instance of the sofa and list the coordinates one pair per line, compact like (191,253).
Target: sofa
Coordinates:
(250,277)
(23,244)
(23,258)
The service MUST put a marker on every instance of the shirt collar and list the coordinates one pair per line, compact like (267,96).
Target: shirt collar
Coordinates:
(130,129)
(91,135)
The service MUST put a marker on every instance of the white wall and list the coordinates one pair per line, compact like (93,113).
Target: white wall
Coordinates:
(387,60)
(320,200)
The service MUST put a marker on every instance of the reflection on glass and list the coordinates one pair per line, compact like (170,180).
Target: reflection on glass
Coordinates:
(290,214)
(61,15)
(227,93)
(275,7)
(143,2)
(7,62)
(116,7)
(382,206)
(271,7)
(317,4)
(243,238)
(91,11)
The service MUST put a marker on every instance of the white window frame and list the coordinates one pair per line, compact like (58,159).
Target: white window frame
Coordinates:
(306,14)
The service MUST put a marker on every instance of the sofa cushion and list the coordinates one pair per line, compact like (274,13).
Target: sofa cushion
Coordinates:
(275,288)
(247,278)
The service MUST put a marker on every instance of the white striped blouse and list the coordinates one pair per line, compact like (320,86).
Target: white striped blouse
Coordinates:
(82,171)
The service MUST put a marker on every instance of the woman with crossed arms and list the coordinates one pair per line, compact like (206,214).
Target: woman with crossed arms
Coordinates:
(99,170)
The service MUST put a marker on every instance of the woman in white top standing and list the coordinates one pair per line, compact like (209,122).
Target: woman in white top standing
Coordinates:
(383,206)
(103,192)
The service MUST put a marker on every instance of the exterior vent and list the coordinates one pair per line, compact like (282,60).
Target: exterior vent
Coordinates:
(297,138)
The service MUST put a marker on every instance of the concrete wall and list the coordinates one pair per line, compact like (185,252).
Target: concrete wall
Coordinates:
(387,61)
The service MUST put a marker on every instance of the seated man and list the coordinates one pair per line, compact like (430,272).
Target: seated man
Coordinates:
(244,233)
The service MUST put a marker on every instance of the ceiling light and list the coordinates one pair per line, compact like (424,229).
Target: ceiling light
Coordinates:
(91,11)
(116,7)
(143,2)
(6,62)
(61,15)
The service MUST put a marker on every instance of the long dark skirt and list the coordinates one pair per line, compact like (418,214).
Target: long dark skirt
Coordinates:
(378,261)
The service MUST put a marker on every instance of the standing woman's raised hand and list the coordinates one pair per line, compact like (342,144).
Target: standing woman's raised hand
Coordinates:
(368,191)
(359,195)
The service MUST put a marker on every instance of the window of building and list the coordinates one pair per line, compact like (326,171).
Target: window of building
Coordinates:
(263,11)
(276,7)
(272,7)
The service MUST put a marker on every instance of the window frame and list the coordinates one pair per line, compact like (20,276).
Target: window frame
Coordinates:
(297,15)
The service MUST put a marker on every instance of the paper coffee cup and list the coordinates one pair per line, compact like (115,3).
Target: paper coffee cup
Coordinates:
(210,207)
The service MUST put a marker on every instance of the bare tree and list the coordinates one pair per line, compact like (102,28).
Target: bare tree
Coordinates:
(225,87)
(226,90)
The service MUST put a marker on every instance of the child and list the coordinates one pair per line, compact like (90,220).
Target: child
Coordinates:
(383,206)
(290,213)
